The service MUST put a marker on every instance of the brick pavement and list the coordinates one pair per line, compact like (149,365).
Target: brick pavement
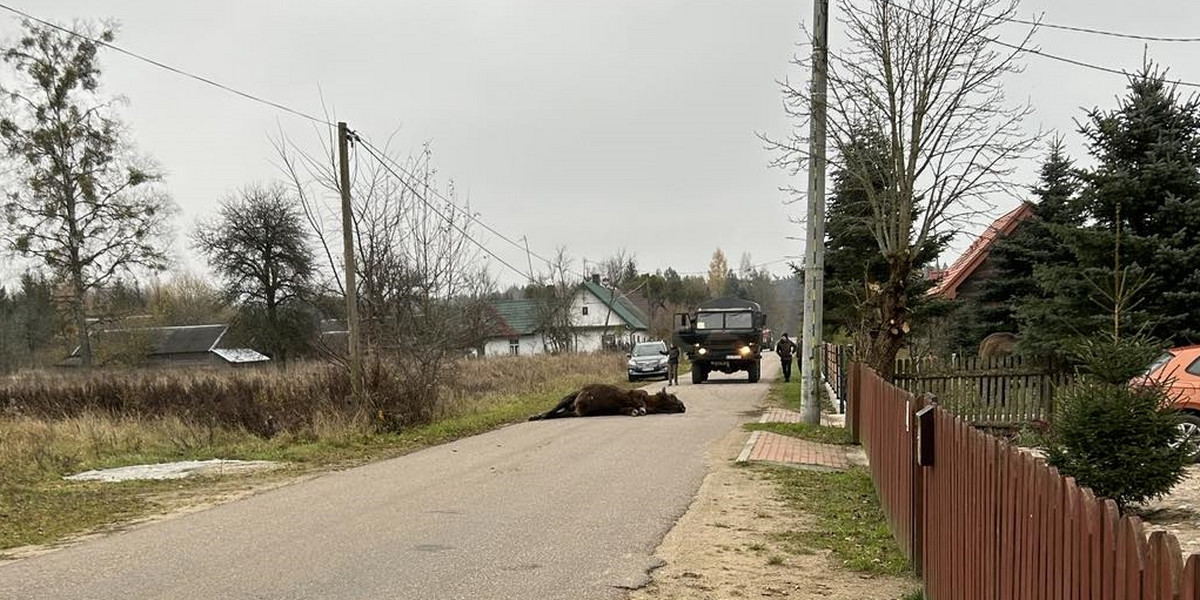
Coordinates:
(772,447)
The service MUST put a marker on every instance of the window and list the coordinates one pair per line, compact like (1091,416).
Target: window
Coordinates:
(742,320)
(1194,368)
(585,310)
(514,346)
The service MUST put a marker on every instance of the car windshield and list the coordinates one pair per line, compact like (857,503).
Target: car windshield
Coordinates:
(649,349)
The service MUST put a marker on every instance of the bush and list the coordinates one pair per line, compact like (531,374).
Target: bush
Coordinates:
(1118,439)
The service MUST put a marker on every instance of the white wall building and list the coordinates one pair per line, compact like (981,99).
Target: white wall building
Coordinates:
(595,310)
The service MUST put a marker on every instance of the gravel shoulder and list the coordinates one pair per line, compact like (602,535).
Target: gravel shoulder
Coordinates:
(725,545)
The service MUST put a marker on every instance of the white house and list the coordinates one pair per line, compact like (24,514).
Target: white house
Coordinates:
(594,311)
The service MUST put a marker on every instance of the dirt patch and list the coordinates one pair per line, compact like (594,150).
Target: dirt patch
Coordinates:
(726,546)
(200,493)
(1178,512)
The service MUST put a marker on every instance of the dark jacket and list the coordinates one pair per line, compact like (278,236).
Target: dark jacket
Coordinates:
(785,348)
(672,355)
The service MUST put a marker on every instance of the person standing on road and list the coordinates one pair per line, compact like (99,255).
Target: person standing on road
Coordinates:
(785,349)
(672,365)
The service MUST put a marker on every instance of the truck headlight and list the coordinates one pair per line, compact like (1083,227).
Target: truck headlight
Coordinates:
(702,351)
(744,350)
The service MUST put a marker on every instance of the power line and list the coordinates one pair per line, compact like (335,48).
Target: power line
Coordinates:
(467,213)
(167,67)
(371,150)
(1116,34)
(999,42)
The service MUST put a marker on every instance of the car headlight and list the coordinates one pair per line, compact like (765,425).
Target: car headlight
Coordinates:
(662,361)
(631,364)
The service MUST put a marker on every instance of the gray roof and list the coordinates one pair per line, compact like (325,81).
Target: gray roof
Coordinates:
(164,341)
(518,317)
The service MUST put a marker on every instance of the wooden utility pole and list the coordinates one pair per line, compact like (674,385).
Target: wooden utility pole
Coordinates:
(814,249)
(355,349)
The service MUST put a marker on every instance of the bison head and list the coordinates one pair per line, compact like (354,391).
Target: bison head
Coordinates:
(665,402)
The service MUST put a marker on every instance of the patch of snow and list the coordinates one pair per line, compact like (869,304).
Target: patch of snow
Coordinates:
(174,470)
(240,355)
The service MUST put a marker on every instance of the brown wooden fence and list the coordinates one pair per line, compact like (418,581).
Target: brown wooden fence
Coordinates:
(989,521)
(1000,392)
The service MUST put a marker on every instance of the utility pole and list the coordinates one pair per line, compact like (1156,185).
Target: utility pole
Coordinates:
(528,258)
(814,249)
(355,350)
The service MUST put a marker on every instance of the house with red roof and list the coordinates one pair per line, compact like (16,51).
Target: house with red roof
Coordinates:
(962,279)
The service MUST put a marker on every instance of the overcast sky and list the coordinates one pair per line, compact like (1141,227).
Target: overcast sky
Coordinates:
(595,125)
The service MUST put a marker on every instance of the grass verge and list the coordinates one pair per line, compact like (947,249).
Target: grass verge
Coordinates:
(787,395)
(816,433)
(849,521)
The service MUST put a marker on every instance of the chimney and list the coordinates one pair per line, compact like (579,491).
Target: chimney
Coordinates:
(596,278)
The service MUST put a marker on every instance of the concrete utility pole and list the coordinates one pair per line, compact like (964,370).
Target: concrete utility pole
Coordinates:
(814,249)
(355,349)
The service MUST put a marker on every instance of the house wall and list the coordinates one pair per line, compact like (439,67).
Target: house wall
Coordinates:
(589,330)
(527,345)
(971,288)
(596,313)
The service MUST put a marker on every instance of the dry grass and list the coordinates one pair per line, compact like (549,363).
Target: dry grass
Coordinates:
(53,425)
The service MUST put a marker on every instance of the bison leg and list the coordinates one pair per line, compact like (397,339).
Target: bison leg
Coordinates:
(565,408)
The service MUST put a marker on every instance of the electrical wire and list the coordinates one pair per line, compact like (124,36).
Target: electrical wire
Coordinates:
(167,67)
(386,161)
(1034,51)
(449,221)
(1116,34)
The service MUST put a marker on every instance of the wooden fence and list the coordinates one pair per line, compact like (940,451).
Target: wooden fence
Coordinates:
(989,521)
(1002,392)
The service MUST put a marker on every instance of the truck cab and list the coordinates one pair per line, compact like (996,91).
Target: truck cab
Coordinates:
(723,335)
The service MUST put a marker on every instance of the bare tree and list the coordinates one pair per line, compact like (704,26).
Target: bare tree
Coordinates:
(554,295)
(259,245)
(927,76)
(87,208)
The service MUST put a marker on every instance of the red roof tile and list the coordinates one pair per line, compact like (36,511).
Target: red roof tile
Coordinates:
(950,279)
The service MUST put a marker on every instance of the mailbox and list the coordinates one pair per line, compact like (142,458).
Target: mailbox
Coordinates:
(925,435)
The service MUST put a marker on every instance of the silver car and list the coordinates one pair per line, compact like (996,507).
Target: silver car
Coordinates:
(648,360)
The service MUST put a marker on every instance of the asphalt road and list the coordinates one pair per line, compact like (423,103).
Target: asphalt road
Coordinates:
(560,509)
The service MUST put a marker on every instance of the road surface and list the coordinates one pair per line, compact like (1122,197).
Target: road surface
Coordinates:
(559,509)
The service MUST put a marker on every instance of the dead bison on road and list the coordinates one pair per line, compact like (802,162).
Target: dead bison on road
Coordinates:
(603,399)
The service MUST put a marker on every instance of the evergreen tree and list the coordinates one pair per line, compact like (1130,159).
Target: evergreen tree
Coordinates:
(854,262)
(1140,217)
(1013,295)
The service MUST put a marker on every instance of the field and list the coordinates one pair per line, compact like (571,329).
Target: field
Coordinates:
(54,424)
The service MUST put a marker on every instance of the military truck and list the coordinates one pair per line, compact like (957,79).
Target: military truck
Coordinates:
(722,335)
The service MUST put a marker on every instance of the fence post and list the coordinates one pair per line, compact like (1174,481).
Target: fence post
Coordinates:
(854,408)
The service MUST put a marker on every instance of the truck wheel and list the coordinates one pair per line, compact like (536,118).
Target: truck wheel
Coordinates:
(754,372)
(697,374)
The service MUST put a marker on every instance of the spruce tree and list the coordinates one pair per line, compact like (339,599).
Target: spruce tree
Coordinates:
(853,259)
(1140,215)
(1013,300)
